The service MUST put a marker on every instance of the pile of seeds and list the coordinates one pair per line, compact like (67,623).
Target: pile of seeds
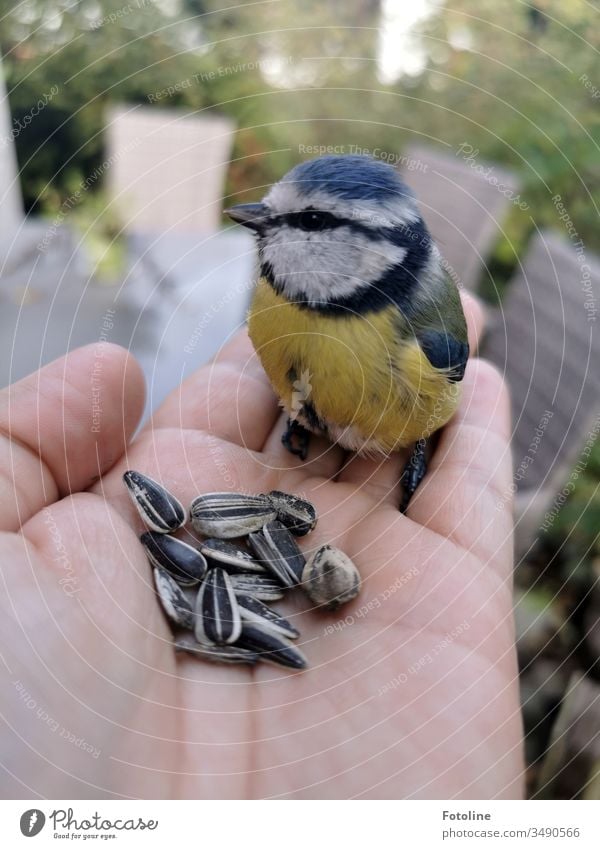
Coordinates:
(215,590)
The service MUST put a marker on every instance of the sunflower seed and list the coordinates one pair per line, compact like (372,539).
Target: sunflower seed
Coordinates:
(160,510)
(230,514)
(253,610)
(191,594)
(265,589)
(218,615)
(299,516)
(216,654)
(181,560)
(276,548)
(229,557)
(330,578)
(172,599)
(270,646)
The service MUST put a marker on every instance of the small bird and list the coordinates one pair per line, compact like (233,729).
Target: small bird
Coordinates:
(357,325)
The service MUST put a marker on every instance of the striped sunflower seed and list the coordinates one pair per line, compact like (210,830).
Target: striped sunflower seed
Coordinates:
(216,654)
(330,578)
(160,510)
(185,563)
(172,599)
(253,610)
(265,589)
(229,557)
(271,647)
(275,548)
(217,613)
(226,515)
(299,516)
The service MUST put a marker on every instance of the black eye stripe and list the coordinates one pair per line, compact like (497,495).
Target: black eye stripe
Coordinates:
(312,220)
(413,236)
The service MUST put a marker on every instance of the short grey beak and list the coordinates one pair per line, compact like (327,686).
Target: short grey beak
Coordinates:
(252,215)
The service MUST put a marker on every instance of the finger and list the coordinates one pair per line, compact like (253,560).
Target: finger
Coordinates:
(476,318)
(64,426)
(380,476)
(230,398)
(324,458)
(467,494)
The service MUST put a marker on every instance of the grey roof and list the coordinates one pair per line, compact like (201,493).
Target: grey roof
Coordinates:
(546,342)
(463,208)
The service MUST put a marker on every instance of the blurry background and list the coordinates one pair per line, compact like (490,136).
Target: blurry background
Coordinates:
(128,126)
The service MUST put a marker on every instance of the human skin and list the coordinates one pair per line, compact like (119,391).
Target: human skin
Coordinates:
(411,690)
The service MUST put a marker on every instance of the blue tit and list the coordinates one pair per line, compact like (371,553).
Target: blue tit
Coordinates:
(358,326)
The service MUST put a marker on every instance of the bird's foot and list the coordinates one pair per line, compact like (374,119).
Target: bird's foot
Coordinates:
(413,473)
(296,439)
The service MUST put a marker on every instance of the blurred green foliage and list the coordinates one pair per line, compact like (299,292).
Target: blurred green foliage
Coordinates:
(518,82)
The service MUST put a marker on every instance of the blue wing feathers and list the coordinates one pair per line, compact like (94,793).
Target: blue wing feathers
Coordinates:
(444,351)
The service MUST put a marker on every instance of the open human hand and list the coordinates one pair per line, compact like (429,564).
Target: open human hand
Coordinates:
(412,689)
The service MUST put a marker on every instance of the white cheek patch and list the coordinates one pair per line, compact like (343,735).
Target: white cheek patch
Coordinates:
(328,264)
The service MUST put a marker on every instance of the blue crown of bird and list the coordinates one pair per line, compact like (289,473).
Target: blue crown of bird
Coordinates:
(357,324)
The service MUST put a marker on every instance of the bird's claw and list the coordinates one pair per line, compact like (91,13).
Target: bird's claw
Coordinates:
(413,473)
(296,439)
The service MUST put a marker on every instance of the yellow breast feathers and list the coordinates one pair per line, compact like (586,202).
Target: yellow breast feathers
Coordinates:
(355,377)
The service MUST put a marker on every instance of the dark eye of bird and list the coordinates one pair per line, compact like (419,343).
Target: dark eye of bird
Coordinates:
(311,219)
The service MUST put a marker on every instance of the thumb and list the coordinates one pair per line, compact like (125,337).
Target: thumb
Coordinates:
(63,426)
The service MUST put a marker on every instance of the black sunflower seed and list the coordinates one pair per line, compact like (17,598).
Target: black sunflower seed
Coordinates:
(299,516)
(226,515)
(217,613)
(215,654)
(160,510)
(172,599)
(230,557)
(253,610)
(265,589)
(185,563)
(276,549)
(270,646)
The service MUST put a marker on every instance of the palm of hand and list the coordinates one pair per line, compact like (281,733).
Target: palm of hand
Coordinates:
(411,690)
